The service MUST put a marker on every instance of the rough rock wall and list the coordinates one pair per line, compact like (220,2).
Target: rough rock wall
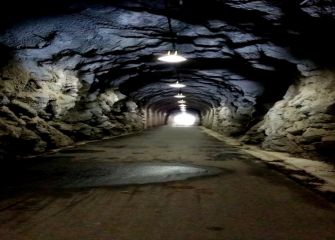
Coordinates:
(234,114)
(303,122)
(57,110)
(228,119)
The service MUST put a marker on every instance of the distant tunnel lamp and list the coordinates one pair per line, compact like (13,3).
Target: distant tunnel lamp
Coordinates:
(184,119)
(182,101)
(172,57)
(179,95)
(177,85)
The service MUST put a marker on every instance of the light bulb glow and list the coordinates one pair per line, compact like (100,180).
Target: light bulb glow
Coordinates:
(182,105)
(172,58)
(179,95)
(182,101)
(183,108)
(177,85)
(184,119)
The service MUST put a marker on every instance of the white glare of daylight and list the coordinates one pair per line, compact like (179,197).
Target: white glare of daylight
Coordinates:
(172,57)
(179,95)
(184,119)
(183,109)
(177,85)
(181,101)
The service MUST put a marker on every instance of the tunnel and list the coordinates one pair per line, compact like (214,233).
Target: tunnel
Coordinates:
(183,118)
(216,115)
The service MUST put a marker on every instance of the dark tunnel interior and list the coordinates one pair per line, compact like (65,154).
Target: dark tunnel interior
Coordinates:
(92,67)
(167,120)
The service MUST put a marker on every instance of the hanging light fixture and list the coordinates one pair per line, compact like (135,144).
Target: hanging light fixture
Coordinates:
(182,108)
(182,105)
(171,57)
(177,85)
(182,101)
(179,95)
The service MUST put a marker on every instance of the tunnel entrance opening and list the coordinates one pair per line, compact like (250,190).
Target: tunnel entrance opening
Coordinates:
(183,119)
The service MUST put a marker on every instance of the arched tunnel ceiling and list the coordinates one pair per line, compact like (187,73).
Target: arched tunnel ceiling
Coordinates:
(237,50)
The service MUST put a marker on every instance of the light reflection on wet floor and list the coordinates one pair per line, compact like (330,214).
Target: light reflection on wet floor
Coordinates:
(65,174)
(143,173)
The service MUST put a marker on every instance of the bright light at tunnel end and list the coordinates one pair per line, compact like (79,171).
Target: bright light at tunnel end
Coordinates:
(184,119)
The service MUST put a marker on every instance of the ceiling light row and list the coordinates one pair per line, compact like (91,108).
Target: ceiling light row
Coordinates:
(175,58)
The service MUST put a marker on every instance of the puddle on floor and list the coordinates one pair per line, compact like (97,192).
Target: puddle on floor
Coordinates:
(98,174)
(142,173)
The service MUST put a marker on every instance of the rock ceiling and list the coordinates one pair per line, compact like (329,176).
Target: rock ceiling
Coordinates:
(238,51)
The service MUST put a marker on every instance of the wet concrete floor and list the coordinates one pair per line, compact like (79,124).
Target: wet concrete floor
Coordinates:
(166,183)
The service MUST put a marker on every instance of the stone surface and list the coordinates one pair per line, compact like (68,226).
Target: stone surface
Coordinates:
(60,111)
(84,71)
(301,121)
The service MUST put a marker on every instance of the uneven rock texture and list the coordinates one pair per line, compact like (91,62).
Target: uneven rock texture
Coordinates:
(118,45)
(78,70)
(234,117)
(37,115)
(304,121)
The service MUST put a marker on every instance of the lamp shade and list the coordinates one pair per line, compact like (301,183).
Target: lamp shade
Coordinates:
(172,58)
(179,95)
(177,85)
